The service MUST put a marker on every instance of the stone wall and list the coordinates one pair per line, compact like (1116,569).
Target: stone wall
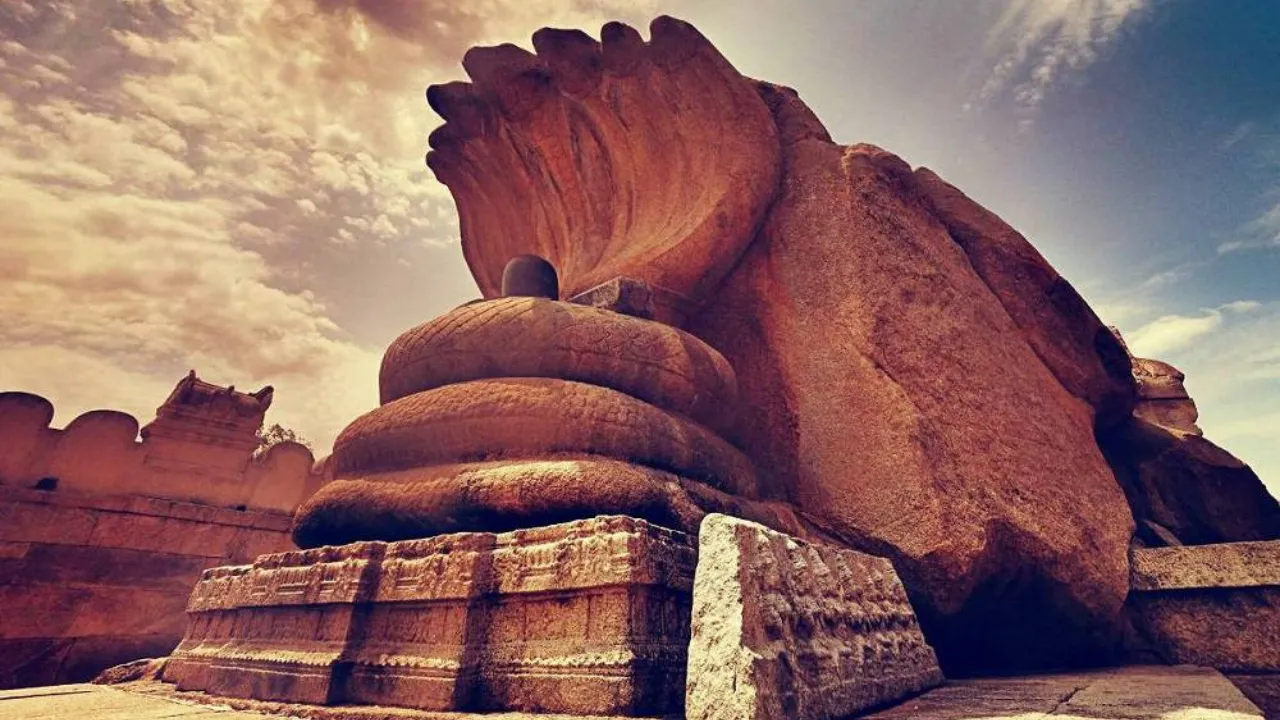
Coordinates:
(89,581)
(103,533)
(99,452)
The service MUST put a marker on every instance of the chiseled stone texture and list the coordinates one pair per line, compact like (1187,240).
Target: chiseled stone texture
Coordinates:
(1243,564)
(789,630)
(587,617)
(1216,605)
(88,581)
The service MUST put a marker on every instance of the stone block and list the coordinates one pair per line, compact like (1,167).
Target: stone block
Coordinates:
(1215,605)
(588,617)
(67,565)
(788,630)
(1224,565)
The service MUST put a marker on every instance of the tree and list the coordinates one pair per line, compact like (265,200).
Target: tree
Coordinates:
(276,434)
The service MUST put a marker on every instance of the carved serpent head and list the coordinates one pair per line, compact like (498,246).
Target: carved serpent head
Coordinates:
(616,157)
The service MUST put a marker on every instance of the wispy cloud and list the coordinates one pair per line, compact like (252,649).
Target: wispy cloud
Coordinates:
(1170,333)
(172,187)
(1261,232)
(1037,44)
(1242,131)
(1233,372)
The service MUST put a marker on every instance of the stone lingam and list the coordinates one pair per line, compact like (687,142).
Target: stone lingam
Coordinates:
(697,305)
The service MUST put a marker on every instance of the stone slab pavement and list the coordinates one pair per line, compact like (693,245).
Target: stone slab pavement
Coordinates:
(1181,692)
(1131,693)
(76,702)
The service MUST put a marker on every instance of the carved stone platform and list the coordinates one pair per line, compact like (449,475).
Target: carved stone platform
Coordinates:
(589,617)
(788,630)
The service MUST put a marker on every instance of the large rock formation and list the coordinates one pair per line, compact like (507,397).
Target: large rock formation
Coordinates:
(1214,605)
(1162,396)
(916,379)
(1183,489)
(893,397)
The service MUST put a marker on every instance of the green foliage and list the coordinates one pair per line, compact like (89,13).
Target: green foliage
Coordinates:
(276,434)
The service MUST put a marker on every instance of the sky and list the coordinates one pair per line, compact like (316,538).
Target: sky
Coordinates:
(239,187)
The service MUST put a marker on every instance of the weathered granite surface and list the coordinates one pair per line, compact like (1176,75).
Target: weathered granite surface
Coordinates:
(1215,605)
(1242,564)
(788,630)
(898,399)
(1183,489)
(588,617)
(1162,396)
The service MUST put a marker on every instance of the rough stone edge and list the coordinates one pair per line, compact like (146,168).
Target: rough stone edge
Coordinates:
(1224,565)
(728,640)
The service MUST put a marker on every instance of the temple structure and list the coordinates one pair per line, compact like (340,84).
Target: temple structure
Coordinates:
(102,534)
(748,424)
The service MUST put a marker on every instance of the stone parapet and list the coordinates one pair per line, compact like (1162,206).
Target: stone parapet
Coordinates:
(788,630)
(189,454)
(587,617)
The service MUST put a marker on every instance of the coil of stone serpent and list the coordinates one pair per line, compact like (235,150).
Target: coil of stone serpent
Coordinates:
(523,411)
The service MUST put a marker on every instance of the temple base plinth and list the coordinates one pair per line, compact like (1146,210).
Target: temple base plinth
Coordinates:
(588,618)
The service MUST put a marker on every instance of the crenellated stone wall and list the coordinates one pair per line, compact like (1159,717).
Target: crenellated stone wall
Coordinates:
(175,459)
(105,526)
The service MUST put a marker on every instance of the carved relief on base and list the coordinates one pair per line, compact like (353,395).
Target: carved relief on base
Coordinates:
(790,630)
(588,617)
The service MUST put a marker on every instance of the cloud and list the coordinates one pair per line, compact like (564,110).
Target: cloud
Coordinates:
(194,188)
(1037,44)
(1173,332)
(1241,306)
(1233,373)
(1242,131)
(1259,233)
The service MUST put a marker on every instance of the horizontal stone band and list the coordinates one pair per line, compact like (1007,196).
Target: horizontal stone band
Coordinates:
(523,418)
(533,337)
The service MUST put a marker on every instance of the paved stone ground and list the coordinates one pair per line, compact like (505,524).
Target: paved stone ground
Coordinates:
(1135,693)
(74,702)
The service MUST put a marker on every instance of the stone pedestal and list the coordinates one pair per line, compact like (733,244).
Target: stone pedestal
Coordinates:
(589,617)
